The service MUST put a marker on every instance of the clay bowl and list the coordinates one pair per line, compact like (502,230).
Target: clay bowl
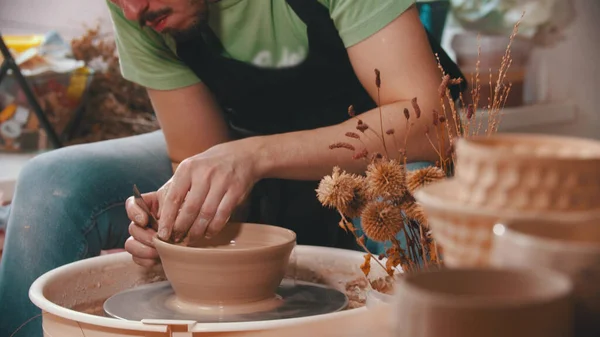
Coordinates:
(465,233)
(238,270)
(490,302)
(529,172)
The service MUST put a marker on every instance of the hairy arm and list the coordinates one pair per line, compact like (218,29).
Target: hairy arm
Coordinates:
(401,52)
(190,119)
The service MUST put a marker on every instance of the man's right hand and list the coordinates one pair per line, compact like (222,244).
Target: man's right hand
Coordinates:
(140,245)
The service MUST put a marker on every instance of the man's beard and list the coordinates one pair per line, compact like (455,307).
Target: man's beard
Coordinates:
(195,28)
(192,32)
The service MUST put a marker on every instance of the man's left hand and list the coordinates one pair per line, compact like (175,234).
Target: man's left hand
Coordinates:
(205,190)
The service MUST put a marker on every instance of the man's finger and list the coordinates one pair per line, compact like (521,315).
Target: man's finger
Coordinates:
(146,262)
(143,235)
(210,208)
(226,208)
(151,200)
(139,250)
(177,190)
(189,210)
(135,212)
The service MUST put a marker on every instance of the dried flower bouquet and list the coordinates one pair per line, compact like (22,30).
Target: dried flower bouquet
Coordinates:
(382,198)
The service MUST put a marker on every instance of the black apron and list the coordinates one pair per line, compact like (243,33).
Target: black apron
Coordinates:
(263,101)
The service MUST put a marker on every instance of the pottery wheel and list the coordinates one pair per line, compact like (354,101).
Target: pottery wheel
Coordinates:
(294,299)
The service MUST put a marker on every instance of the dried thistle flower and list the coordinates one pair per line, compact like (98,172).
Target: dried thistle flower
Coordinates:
(343,225)
(450,151)
(456,81)
(377,78)
(416,107)
(381,221)
(351,111)
(444,86)
(342,191)
(341,145)
(352,135)
(385,178)
(470,111)
(361,126)
(357,204)
(376,156)
(361,154)
(391,263)
(436,117)
(394,256)
(406,113)
(366,265)
(422,177)
(415,211)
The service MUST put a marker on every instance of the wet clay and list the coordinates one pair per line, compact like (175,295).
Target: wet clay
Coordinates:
(174,304)
(240,268)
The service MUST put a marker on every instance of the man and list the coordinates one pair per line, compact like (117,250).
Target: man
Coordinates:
(249,95)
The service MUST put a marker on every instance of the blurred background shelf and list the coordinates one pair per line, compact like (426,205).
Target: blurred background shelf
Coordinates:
(530,117)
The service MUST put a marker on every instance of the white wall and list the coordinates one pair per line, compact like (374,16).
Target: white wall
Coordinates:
(570,72)
(68,17)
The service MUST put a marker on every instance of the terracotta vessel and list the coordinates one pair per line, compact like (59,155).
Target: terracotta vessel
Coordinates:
(572,248)
(465,233)
(237,271)
(510,177)
(528,172)
(483,302)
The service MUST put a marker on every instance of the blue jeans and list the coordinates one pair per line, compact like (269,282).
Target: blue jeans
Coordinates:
(69,205)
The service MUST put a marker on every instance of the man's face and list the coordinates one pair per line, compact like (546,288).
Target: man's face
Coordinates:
(180,18)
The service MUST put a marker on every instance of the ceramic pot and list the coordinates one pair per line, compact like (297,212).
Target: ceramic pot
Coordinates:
(464,232)
(483,302)
(529,172)
(572,248)
(240,267)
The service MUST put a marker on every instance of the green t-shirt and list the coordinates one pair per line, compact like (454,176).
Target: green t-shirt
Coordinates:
(266,33)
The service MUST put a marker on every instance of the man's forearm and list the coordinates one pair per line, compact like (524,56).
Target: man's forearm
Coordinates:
(306,155)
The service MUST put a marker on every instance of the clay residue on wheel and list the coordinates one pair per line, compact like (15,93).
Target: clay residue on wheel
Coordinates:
(85,289)
(345,276)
